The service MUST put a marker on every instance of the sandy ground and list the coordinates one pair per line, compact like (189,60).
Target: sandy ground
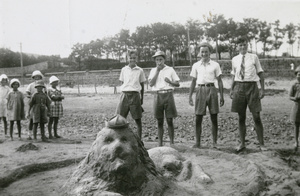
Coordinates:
(43,171)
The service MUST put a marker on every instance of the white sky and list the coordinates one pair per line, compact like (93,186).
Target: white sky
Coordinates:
(53,26)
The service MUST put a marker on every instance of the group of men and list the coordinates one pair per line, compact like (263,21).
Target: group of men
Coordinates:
(246,71)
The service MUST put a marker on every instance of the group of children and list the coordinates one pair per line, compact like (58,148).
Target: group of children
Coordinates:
(42,104)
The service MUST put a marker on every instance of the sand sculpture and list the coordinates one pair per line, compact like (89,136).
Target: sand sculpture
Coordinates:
(117,164)
(173,166)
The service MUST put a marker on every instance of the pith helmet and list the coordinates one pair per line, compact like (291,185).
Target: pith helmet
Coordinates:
(53,79)
(36,73)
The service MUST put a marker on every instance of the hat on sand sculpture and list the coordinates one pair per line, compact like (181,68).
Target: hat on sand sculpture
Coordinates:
(117,122)
(159,53)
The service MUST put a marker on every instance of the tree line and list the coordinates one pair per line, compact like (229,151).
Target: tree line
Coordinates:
(10,58)
(179,39)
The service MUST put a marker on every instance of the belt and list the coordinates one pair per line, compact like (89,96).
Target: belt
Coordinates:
(246,82)
(164,91)
(208,84)
(130,92)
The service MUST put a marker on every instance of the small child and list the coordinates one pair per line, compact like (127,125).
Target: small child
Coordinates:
(39,107)
(295,114)
(36,76)
(56,108)
(4,90)
(15,107)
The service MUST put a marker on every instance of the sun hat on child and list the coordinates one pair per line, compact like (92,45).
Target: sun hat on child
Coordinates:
(297,70)
(159,53)
(13,81)
(53,79)
(39,83)
(3,76)
(36,73)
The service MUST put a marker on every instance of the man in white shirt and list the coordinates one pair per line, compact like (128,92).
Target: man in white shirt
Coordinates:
(163,79)
(204,73)
(247,71)
(132,78)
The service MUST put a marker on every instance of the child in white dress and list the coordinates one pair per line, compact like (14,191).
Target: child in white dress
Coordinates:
(4,90)
(15,107)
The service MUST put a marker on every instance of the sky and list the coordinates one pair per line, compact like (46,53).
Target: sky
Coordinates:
(52,27)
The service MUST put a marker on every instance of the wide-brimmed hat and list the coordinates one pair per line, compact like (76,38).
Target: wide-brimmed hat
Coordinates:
(13,81)
(117,122)
(206,44)
(53,79)
(40,83)
(37,73)
(159,53)
(297,70)
(3,76)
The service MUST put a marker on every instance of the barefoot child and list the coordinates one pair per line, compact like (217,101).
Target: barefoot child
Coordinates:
(246,73)
(15,107)
(36,76)
(39,106)
(295,114)
(131,100)
(56,108)
(204,73)
(4,90)
(163,79)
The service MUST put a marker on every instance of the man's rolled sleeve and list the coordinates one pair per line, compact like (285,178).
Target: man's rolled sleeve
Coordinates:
(193,72)
(233,70)
(258,65)
(142,77)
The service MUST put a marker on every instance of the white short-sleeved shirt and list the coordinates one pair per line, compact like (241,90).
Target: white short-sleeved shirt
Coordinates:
(252,68)
(131,78)
(161,84)
(205,72)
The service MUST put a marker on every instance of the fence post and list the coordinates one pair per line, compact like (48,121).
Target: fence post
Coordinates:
(78,84)
(95,83)
(65,75)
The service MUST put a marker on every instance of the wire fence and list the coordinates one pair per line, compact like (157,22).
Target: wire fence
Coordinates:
(110,78)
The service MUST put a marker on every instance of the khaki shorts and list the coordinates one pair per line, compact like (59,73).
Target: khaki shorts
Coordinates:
(206,96)
(164,104)
(245,93)
(130,101)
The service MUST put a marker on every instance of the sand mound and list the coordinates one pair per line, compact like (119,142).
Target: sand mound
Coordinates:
(26,147)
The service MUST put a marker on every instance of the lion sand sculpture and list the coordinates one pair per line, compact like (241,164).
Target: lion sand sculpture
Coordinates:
(117,164)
